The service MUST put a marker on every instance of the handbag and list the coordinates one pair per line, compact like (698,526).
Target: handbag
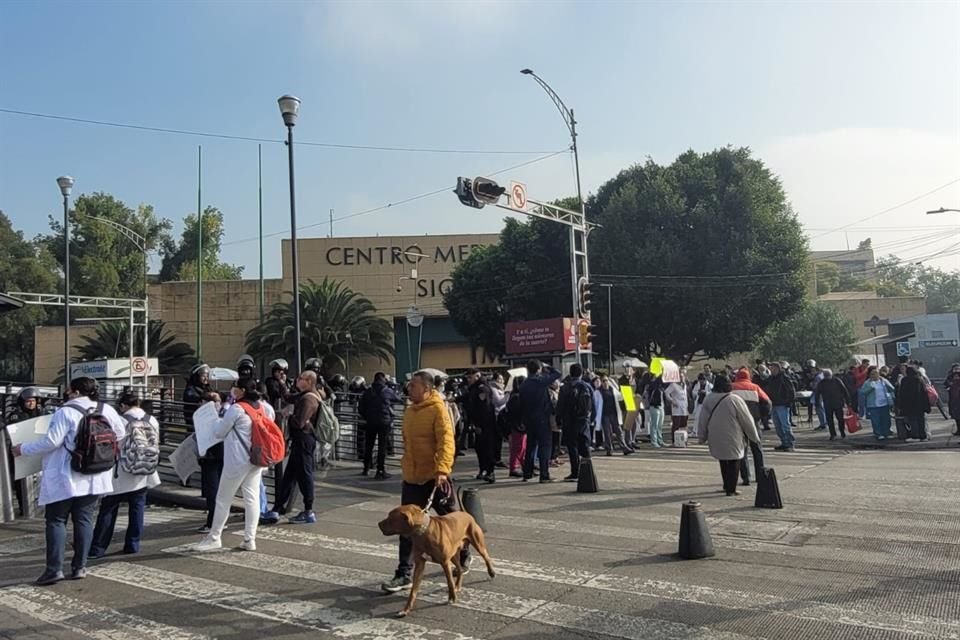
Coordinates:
(851,421)
(932,395)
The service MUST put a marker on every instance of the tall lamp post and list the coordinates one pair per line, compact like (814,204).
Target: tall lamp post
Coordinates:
(290,109)
(567,114)
(66,186)
(609,288)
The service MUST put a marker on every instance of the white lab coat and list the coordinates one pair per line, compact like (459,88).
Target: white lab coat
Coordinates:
(677,395)
(127,482)
(60,482)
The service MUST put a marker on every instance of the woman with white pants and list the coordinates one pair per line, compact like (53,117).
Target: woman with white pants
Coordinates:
(234,429)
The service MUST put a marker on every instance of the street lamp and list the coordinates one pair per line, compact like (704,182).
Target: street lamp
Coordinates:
(290,109)
(66,186)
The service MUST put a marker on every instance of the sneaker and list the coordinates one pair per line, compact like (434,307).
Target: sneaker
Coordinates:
(382,475)
(481,475)
(501,465)
(304,517)
(490,478)
(270,517)
(516,474)
(780,447)
(49,578)
(79,574)
(628,452)
(465,564)
(546,480)
(248,545)
(398,583)
(208,544)
(365,473)
(789,449)
(571,478)
(96,554)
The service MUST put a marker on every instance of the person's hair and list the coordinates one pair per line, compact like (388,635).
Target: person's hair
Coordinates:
(708,366)
(249,388)
(129,399)
(517,382)
(428,380)
(471,372)
(576,370)
(85,387)
(722,385)
(533,366)
(701,377)
(379,377)
(211,396)
(865,361)
(871,369)
(911,372)
(497,376)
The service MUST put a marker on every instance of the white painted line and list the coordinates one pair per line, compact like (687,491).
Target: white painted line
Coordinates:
(656,589)
(90,620)
(299,613)
(515,607)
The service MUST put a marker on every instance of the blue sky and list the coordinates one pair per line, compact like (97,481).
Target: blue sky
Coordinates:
(855,105)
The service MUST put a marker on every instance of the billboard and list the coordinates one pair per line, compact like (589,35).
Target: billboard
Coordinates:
(540,336)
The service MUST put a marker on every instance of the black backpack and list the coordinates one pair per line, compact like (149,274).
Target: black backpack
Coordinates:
(582,403)
(95,449)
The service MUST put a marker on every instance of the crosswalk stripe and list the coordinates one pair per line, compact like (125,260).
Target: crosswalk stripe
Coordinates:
(90,620)
(656,589)
(516,607)
(343,623)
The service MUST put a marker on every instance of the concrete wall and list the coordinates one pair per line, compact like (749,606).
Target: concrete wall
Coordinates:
(859,310)
(48,350)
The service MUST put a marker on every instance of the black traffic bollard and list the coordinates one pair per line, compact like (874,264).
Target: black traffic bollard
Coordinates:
(470,502)
(695,541)
(768,491)
(587,477)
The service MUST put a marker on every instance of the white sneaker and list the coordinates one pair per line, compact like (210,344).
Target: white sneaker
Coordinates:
(208,544)
(248,545)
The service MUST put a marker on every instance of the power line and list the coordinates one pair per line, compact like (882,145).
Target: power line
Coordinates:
(224,136)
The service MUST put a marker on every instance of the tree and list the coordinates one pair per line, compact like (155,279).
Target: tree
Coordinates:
(111,340)
(941,288)
(103,262)
(24,266)
(819,331)
(336,323)
(705,255)
(828,277)
(853,281)
(180,258)
(865,245)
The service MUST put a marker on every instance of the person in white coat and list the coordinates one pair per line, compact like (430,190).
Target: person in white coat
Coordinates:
(234,429)
(128,488)
(701,389)
(676,393)
(65,493)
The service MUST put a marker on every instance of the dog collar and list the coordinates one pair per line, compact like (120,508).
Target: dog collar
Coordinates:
(422,527)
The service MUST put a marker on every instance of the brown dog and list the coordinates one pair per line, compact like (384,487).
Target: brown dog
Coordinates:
(436,538)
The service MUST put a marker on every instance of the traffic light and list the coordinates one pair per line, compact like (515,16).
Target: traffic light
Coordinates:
(465,193)
(586,297)
(487,191)
(585,333)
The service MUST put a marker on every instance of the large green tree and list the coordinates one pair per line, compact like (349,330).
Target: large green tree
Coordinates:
(336,323)
(25,266)
(103,262)
(941,288)
(819,331)
(112,340)
(180,258)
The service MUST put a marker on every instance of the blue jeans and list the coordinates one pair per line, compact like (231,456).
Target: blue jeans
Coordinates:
(781,420)
(880,421)
(656,426)
(263,497)
(821,412)
(56,514)
(539,447)
(107,520)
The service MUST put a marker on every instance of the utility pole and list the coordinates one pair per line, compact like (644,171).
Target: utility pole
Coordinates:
(609,288)
(199,256)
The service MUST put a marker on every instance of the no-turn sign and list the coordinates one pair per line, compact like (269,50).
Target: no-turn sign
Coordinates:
(518,195)
(139,366)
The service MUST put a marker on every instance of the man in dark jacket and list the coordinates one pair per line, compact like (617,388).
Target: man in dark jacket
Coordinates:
(835,397)
(781,392)
(913,403)
(535,409)
(575,410)
(376,409)
(303,445)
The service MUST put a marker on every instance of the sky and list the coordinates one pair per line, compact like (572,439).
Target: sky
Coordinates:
(854,105)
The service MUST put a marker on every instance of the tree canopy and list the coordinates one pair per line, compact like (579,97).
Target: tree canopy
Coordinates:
(112,340)
(819,331)
(180,258)
(704,255)
(898,278)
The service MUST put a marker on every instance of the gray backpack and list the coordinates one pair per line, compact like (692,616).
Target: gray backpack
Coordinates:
(140,452)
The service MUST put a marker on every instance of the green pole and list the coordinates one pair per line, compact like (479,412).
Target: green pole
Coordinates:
(199,256)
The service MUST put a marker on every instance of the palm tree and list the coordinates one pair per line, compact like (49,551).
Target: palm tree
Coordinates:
(336,323)
(112,341)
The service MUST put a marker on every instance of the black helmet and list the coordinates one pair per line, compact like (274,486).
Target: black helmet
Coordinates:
(279,364)
(358,384)
(28,393)
(246,361)
(338,382)
(313,364)
(199,370)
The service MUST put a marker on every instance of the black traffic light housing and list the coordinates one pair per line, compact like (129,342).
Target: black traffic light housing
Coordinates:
(465,193)
(586,297)
(487,191)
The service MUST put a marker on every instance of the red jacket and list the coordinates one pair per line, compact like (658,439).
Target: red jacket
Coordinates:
(756,398)
(860,375)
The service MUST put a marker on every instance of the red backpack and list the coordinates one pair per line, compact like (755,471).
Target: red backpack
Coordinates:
(267,446)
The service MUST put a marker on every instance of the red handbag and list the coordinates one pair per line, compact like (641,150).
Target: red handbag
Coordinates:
(932,395)
(851,421)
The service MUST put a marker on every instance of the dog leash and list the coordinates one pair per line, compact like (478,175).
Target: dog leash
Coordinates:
(430,499)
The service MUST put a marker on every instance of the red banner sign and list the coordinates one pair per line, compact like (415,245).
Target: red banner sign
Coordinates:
(541,336)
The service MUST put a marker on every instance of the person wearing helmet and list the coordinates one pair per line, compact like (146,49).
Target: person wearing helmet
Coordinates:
(198,385)
(278,384)
(211,464)
(338,383)
(246,366)
(29,405)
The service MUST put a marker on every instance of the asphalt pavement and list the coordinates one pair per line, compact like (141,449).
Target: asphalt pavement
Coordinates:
(866,546)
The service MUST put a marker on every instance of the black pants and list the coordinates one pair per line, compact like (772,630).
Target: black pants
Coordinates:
(757,452)
(210,471)
(418,494)
(299,470)
(373,432)
(488,444)
(578,447)
(835,416)
(557,441)
(728,471)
